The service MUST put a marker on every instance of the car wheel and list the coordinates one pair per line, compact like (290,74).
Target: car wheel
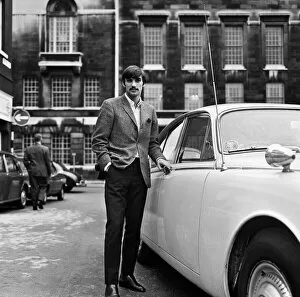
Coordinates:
(61,194)
(270,266)
(23,199)
(145,255)
(68,188)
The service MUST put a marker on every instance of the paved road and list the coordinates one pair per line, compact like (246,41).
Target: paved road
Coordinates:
(58,252)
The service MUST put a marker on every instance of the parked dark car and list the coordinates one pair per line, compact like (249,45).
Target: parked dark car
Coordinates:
(74,179)
(14,181)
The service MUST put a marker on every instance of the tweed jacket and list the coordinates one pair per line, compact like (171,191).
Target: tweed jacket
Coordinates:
(37,160)
(116,137)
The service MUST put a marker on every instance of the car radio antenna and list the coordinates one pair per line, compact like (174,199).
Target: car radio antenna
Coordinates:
(223,166)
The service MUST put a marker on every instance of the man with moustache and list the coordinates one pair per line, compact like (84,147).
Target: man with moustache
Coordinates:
(125,134)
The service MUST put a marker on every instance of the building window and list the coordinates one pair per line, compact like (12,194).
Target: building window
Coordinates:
(61,91)
(62,26)
(193,45)
(234,45)
(153,52)
(61,148)
(153,94)
(89,156)
(30,91)
(193,96)
(234,93)
(275,93)
(27,141)
(91,91)
(274,45)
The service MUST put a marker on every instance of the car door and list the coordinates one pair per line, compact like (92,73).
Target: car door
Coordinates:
(52,182)
(180,192)
(152,215)
(15,177)
(4,181)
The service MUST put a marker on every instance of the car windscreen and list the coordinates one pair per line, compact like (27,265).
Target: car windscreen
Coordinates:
(259,128)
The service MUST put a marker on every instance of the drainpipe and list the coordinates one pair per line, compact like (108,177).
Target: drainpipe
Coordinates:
(117,47)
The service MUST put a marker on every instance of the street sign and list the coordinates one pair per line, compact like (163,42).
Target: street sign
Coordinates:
(21,117)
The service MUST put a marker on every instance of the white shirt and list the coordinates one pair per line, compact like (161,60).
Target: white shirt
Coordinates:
(136,108)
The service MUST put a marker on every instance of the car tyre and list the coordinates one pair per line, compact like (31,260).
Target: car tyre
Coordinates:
(145,255)
(271,264)
(68,188)
(61,194)
(23,199)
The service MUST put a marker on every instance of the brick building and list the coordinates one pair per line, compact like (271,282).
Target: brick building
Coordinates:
(68,57)
(6,99)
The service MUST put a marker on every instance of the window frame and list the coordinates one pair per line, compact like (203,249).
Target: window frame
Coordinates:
(235,21)
(192,19)
(70,91)
(33,80)
(200,98)
(67,10)
(153,21)
(230,84)
(275,84)
(275,21)
(85,81)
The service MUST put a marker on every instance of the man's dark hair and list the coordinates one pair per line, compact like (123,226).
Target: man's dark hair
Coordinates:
(37,137)
(133,71)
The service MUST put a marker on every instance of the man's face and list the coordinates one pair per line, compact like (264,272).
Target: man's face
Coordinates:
(133,86)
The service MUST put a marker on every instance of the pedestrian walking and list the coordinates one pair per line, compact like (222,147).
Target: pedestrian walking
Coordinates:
(37,162)
(125,134)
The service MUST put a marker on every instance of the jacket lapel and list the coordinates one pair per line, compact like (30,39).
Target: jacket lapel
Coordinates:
(128,109)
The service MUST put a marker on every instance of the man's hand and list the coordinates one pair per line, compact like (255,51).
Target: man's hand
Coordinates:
(164,165)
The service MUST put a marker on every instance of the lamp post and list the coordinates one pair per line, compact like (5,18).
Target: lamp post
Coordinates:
(73,157)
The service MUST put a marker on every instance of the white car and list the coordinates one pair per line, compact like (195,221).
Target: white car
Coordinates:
(227,216)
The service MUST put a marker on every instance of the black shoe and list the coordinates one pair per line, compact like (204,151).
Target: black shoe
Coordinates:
(111,291)
(131,283)
(34,208)
(40,205)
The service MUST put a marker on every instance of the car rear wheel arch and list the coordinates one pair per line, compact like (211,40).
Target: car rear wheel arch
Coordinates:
(242,240)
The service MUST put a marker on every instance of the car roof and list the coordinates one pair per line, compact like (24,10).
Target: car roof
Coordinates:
(237,106)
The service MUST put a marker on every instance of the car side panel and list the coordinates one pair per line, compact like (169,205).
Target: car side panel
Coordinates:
(180,199)
(231,198)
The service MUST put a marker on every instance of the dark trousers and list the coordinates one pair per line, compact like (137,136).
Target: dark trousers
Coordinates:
(125,196)
(38,188)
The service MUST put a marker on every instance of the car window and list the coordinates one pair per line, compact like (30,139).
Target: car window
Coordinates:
(197,142)
(171,141)
(11,164)
(2,168)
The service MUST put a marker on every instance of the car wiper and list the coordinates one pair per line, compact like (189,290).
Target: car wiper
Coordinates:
(251,148)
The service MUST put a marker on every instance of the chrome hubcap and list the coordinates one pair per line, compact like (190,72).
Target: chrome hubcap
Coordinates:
(23,197)
(268,281)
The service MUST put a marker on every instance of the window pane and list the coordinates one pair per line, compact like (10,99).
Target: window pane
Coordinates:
(193,45)
(89,156)
(27,141)
(275,93)
(153,45)
(274,45)
(171,142)
(193,96)
(60,148)
(30,91)
(91,91)
(61,92)
(153,95)
(234,45)
(234,93)
(62,34)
